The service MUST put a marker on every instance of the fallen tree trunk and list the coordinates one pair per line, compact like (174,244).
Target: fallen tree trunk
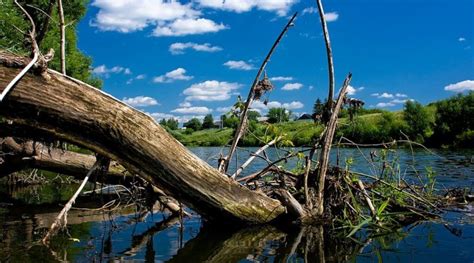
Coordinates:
(76,112)
(35,155)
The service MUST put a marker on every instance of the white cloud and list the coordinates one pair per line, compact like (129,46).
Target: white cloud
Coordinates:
(292,86)
(258,105)
(461,39)
(239,65)
(187,26)
(398,101)
(281,78)
(141,76)
(310,10)
(331,16)
(140,101)
(224,109)
(384,95)
(185,104)
(179,48)
(159,116)
(128,16)
(352,91)
(193,110)
(210,90)
(103,70)
(462,86)
(385,104)
(177,74)
(281,7)
(138,77)
(401,95)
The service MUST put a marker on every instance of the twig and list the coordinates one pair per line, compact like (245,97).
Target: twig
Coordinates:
(243,117)
(62,216)
(62,28)
(329,55)
(306,173)
(326,149)
(263,148)
(367,199)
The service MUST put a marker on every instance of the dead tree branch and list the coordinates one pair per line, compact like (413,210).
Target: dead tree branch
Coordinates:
(61,219)
(329,56)
(243,116)
(62,29)
(326,149)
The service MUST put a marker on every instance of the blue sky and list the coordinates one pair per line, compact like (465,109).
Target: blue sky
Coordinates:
(190,58)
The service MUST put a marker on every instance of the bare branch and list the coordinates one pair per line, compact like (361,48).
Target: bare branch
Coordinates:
(250,98)
(329,55)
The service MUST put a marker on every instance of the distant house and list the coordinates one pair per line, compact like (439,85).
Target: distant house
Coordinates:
(262,119)
(305,117)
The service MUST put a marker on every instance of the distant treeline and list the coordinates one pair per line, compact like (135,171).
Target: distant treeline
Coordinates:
(445,123)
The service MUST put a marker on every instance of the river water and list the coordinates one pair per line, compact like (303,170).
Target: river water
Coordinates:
(124,235)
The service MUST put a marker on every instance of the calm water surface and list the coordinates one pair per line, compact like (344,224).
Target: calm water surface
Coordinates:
(124,235)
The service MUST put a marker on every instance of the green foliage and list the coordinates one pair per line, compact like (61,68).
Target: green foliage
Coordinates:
(454,121)
(194,124)
(277,115)
(418,121)
(171,123)
(208,122)
(77,64)
(253,115)
(318,107)
(230,122)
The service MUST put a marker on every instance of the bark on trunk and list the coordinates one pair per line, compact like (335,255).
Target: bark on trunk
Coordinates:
(76,112)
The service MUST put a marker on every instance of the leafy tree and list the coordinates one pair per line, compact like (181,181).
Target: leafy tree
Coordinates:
(455,121)
(276,115)
(418,121)
(171,123)
(208,122)
(77,64)
(194,124)
(230,122)
(253,115)
(318,107)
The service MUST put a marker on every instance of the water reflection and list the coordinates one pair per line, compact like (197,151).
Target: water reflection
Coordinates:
(128,235)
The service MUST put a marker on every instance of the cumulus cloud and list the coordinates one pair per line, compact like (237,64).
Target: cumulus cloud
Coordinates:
(258,105)
(179,48)
(281,78)
(239,65)
(466,85)
(281,7)
(401,95)
(192,110)
(128,16)
(292,86)
(384,95)
(351,91)
(330,16)
(104,71)
(461,39)
(187,26)
(385,104)
(210,90)
(177,74)
(224,109)
(138,77)
(140,101)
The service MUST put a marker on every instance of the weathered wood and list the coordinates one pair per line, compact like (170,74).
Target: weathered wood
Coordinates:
(326,148)
(76,112)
